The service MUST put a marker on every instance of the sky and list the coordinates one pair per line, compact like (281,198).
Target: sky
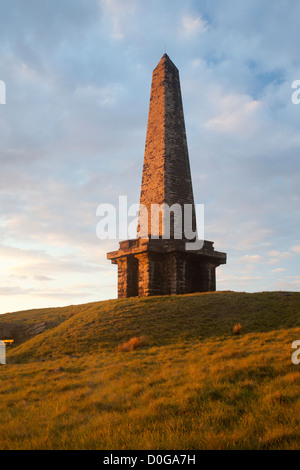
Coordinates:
(72,136)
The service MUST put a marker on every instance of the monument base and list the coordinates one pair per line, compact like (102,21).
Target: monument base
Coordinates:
(149,267)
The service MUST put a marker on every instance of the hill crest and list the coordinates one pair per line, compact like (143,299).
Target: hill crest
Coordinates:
(164,320)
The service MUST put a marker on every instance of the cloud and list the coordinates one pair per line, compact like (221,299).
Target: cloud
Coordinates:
(236,114)
(277,256)
(251,258)
(191,25)
(120,13)
(42,278)
(278,270)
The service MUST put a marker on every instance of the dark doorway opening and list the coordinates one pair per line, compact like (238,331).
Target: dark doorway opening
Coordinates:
(132,277)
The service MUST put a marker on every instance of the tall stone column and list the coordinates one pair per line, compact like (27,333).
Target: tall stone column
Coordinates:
(157,262)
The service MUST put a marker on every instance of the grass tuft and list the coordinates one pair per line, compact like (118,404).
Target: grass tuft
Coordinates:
(237,329)
(132,344)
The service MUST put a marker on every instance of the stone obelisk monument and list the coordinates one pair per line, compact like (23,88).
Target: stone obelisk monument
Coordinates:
(158,262)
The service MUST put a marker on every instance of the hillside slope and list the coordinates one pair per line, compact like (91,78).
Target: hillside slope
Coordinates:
(192,384)
(99,326)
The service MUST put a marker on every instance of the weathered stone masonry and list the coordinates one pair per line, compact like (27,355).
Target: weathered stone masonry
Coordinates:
(148,266)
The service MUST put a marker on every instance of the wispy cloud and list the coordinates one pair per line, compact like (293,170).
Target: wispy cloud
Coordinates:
(120,13)
(192,25)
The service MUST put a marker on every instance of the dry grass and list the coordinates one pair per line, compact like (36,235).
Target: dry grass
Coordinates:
(132,344)
(237,329)
(102,326)
(184,389)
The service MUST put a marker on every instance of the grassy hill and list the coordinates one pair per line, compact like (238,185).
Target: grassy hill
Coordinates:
(191,384)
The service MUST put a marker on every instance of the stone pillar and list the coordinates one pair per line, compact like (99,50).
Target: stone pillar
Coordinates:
(180,274)
(127,276)
(171,275)
(143,274)
(208,281)
(212,278)
(122,277)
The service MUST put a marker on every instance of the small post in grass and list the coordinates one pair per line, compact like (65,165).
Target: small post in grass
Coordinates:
(2,352)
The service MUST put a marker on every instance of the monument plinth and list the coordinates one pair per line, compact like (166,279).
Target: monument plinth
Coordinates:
(160,266)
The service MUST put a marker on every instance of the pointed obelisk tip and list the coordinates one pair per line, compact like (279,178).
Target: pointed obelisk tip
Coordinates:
(166,59)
